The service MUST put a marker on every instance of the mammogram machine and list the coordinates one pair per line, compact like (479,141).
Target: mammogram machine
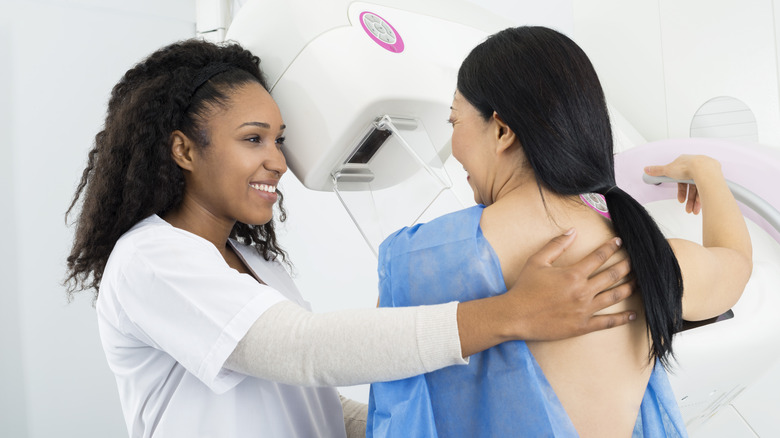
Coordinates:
(365,89)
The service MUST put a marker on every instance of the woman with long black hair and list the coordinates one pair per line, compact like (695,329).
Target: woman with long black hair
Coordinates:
(531,128)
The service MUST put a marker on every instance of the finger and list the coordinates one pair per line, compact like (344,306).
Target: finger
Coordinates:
(682,191)
(691,199)
(610,297)
(555,247)
(607,278)
(612,320)
(654,170)
(598,257)
(694,193)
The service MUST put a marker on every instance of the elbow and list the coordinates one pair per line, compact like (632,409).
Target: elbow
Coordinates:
(742,269)
(742,264)
(747,255)
(746,267)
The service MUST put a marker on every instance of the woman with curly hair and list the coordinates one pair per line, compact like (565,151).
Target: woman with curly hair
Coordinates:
(202,326)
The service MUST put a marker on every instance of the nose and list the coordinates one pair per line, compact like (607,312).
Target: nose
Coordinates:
(276,163)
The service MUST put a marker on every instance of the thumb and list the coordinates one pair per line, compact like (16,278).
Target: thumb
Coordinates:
(655,170)
(555,247)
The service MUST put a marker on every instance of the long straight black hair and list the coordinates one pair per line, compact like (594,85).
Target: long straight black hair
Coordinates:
(545,88)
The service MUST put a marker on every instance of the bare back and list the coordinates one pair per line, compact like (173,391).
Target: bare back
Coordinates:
(600,378)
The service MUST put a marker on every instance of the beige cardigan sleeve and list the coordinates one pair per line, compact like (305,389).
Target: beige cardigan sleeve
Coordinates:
(291,345)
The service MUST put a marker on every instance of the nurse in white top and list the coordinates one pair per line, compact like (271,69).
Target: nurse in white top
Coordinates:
(202,326)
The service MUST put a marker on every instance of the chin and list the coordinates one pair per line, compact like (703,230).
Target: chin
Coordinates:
(257,220)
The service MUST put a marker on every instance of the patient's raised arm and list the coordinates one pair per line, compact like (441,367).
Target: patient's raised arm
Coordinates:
(714,273)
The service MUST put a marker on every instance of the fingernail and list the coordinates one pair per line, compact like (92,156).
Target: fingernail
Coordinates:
(618,241)
(632,316)
(569,233)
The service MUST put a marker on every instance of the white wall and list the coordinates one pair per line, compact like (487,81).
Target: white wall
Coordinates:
(730,53)
(13,400)
(660,60)
(59,62)
(622,39)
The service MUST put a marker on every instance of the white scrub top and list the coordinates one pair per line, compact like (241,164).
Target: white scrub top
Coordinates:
(170,312)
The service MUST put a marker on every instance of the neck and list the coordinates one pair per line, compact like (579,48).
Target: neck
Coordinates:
(527,199)
(518,182)
(192,217)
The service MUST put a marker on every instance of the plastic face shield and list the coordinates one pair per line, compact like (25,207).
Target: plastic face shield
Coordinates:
(393,177)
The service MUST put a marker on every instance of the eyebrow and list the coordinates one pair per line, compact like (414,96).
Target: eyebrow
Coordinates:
(261,125)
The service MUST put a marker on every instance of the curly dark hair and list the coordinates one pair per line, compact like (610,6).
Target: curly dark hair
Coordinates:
(130,173)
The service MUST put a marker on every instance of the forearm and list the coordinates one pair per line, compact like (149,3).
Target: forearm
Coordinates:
(485,323)
(722,222)
(290,345)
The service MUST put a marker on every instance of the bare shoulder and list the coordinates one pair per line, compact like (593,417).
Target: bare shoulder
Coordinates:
(517,233)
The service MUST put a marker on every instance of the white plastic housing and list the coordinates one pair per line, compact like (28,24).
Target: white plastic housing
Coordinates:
(327,99)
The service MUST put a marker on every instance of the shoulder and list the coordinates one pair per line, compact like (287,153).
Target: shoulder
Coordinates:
(458,222)
(452,227)
(154,248)
(151,251)
(155,239)
(154,232)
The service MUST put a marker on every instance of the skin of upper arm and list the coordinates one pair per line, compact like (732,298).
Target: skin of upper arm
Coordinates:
(713,278)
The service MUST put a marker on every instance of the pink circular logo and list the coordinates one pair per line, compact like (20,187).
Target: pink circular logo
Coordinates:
(381,32)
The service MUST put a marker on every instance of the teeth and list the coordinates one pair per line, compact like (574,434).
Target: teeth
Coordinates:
(264,187)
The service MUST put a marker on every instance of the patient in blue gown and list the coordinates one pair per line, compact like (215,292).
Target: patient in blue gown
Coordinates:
(531,128)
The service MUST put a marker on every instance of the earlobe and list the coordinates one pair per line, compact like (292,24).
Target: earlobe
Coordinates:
(181,150)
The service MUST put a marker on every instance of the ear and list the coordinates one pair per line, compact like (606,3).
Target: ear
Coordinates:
(505,137)
(182,149)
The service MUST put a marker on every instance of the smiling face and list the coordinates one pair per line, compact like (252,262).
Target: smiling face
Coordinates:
(472,137)
(234,177)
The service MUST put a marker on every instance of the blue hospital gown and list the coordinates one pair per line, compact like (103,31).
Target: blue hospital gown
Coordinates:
(502,392)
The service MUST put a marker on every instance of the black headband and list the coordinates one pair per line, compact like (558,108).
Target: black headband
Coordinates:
(207,73)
